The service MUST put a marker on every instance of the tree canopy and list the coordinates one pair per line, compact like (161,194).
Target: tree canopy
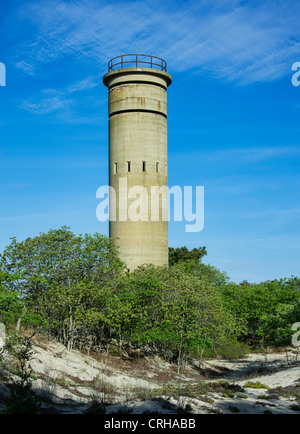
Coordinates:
(180,254)
(74,288)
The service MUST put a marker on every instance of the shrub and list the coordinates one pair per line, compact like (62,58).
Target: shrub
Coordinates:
(22,400)
(257,385)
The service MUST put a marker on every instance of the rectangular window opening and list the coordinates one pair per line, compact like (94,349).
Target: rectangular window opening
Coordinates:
(128,166)
(144,166)
(115,168)
(157,167)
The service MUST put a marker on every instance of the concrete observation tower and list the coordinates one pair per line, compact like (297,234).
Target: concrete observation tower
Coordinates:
(138,163)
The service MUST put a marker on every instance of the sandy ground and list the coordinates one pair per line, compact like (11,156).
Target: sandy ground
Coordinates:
(72,382)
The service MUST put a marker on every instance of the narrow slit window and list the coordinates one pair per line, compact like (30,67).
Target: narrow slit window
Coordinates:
(115,168)
(157,167)
(144,166)
(128,166)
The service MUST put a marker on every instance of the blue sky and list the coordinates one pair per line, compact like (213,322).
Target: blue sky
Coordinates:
(233,119)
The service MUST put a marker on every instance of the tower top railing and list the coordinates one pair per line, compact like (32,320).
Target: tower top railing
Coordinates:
(135,61)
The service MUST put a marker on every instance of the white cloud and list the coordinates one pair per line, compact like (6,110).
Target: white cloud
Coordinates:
(51,100)
(244,42)
(254,154)
(87,83)
(244,155)
(26,67)
(47,105)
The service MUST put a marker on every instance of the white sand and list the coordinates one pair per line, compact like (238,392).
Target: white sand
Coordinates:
(72,380)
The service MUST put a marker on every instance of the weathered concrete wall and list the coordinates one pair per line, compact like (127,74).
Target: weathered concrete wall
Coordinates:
(138,137)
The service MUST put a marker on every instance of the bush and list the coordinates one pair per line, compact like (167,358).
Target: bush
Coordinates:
(168,309)
(264,310)
(21,400)
(11,306)
(74,288)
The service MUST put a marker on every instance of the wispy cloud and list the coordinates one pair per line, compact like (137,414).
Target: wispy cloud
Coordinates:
(255,154)
(85,84)
(241,155)
(52,100)
(26,67)
(244,42)
(47,105)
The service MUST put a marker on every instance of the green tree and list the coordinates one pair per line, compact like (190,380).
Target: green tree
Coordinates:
(22,400)
(275,328)
(251,304)
(212,275)
(169,310)
(63,275)
(59,256)
(11,305)
(183,254)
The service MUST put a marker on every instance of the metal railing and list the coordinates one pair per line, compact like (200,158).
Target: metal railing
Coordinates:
(137,60)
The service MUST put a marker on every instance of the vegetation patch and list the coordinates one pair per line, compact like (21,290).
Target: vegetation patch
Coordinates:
(234,409)
(257,385)
(222,387)
(287,392)
(74,289)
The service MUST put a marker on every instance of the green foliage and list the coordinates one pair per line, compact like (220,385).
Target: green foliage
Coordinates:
(260,309)
(212,275)
(75,289)
(233,409)
(230,348)
(183,254)
(275,327)
(166,309)
(257,385)
(11,306)
(21,400)
(63,278)
(59,257)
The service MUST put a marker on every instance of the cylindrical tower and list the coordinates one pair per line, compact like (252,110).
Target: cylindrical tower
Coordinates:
(138,165)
